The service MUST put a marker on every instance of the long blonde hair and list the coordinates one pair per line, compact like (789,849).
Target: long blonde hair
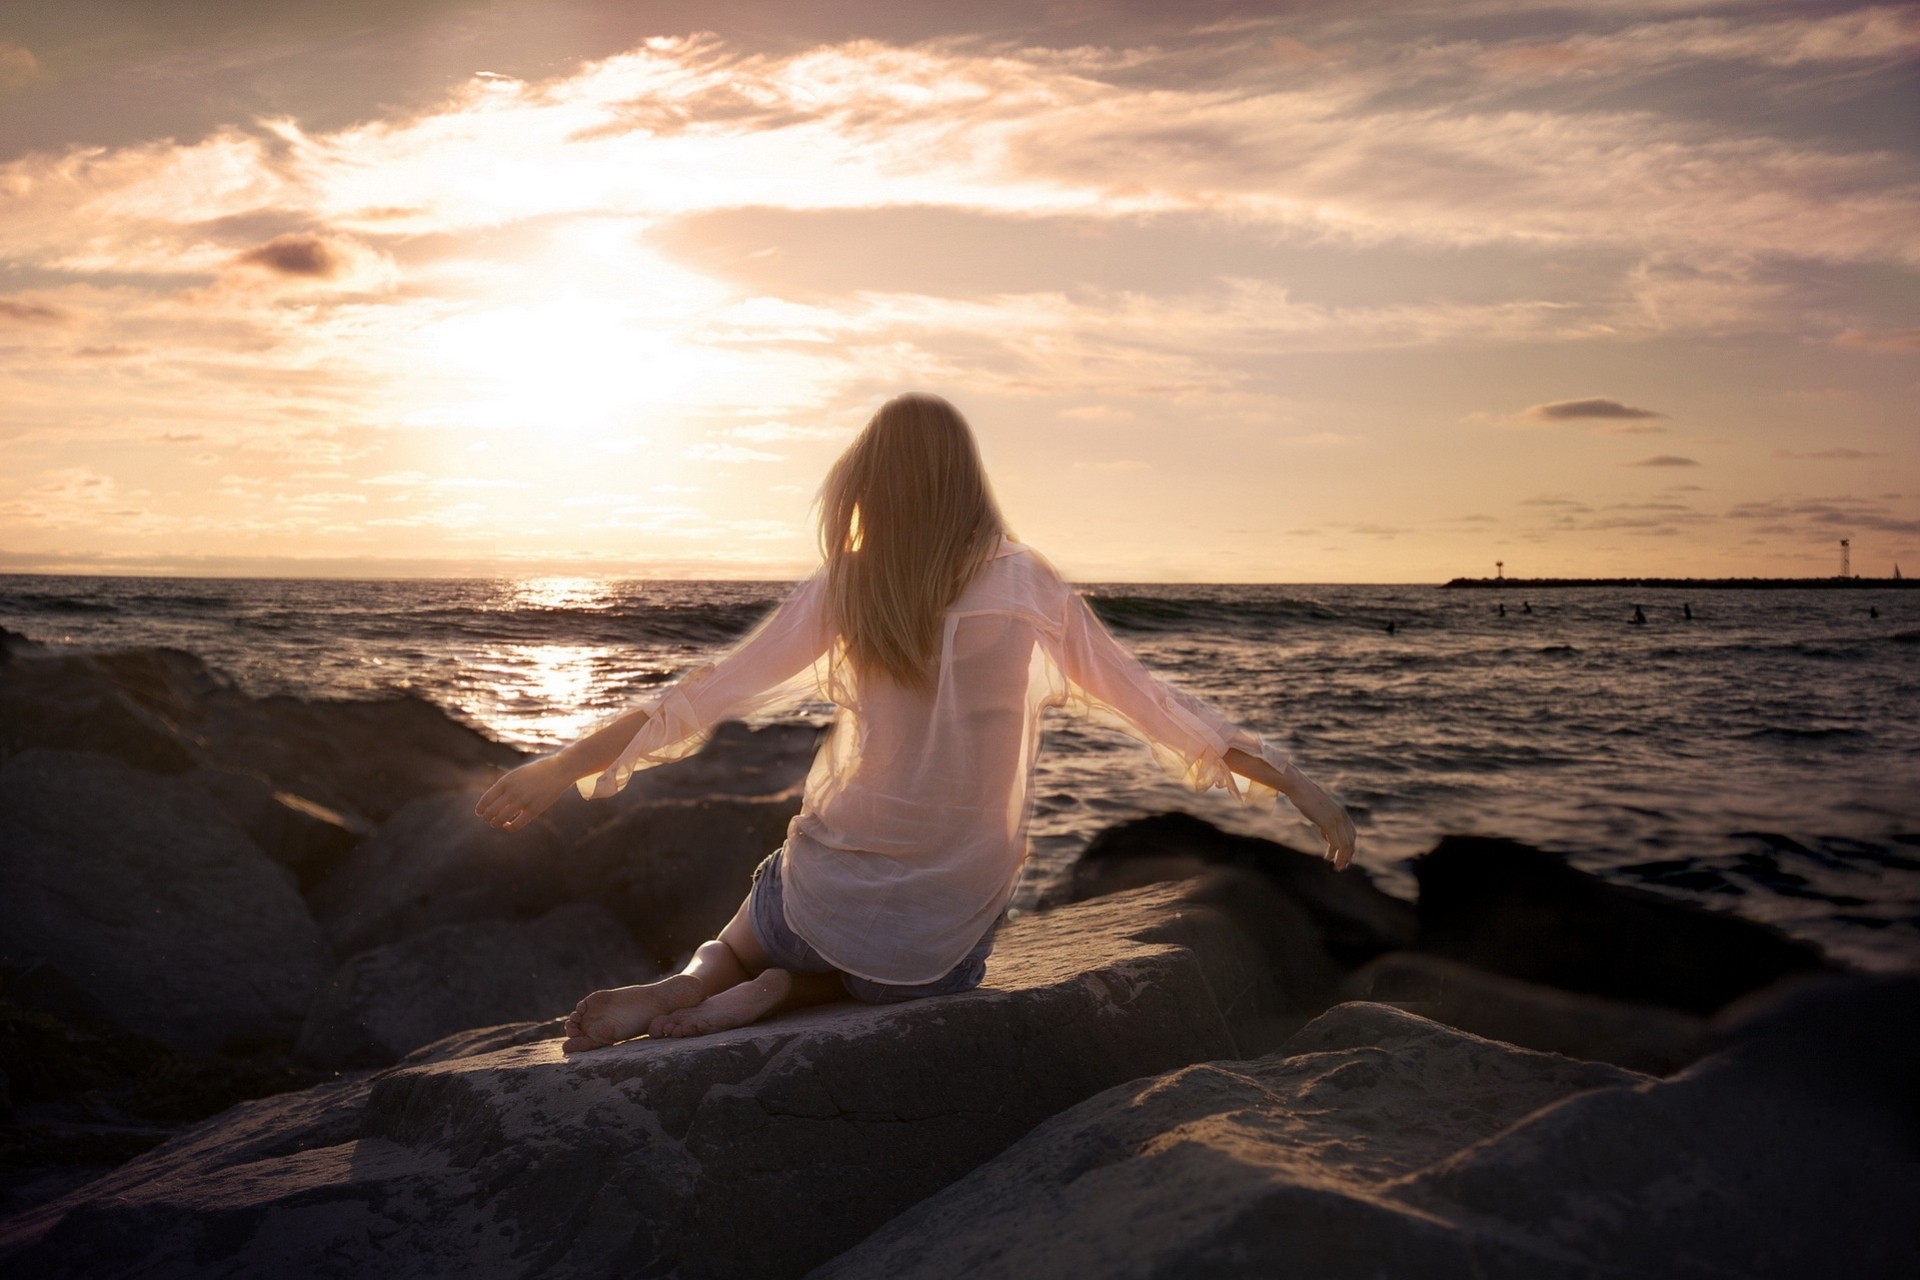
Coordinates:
(906,520)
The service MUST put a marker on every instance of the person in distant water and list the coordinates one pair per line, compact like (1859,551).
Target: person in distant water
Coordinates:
(1503,608)
(940,639)
(1639,618)
(1873,611)
(1686,611)
(1526,606)
(1391,625)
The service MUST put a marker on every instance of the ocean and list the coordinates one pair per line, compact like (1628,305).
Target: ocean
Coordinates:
(1762,756)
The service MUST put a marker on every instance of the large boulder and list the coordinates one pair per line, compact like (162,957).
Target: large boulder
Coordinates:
(435,863)
(1378,1143)
(1313,924)
(166,710)
(757,1153)
(675,870)
(384,1003)
(307,839)
(141,894)
(1642,1037)
(1513,909)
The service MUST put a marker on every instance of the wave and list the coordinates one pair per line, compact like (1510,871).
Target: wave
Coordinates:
(37,603)
(1178,613)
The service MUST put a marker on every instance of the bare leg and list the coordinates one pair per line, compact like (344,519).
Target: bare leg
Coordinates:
(621,1013)
(773,990)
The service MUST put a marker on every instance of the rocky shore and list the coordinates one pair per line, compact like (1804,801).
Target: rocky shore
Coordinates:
(272,1002)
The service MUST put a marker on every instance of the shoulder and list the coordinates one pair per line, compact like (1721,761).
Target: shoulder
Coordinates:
(1017,580)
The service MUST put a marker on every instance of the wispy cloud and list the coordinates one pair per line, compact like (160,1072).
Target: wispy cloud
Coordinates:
(1662,460)
(1590,407)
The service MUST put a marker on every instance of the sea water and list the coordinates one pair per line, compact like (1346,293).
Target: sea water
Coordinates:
(1762,756)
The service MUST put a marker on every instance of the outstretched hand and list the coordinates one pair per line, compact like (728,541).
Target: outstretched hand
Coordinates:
(521,795)
(1330,816)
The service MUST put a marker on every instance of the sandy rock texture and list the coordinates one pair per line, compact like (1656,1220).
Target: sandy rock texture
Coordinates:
(1378,1143)
(759,1152)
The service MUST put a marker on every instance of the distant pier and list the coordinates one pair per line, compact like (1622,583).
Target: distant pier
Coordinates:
(1695,584)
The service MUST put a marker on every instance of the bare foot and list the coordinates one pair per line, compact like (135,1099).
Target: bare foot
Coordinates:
(734,1007)
(606,1017)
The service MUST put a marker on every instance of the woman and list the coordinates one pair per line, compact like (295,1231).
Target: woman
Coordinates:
(941,640)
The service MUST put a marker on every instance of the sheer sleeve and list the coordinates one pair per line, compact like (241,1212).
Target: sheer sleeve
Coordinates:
(784,658)
(1100,680)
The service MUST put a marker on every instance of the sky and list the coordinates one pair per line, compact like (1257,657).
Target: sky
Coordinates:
(1290,292)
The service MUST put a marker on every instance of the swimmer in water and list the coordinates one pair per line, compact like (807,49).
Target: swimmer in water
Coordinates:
(1686,611)
(1526,606)
(1503,610)
(1390,626)
(1639,618)
(1873,611)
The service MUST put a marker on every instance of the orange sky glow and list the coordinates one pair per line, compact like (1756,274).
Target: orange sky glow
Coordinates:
(1300,293)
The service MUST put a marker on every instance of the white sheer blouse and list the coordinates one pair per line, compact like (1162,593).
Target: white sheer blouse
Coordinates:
(912,827)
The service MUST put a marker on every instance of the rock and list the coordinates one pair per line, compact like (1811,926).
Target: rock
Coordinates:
(1314,924)
(737,761)
(1640,1037)
(165,710)
(435,863)
(1354,920)
(51,701)
(1381,1144)
(141,894)
(757,1153)
(675,870)
(307,839)
(1282,1166)
(384,1003)
(1521,911)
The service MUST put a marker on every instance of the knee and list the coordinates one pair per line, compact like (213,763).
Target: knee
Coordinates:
(717,951)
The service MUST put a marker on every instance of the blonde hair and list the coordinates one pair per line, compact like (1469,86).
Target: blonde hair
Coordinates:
(906,520)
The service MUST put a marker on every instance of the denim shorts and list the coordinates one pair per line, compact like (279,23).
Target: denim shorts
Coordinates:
(788,950)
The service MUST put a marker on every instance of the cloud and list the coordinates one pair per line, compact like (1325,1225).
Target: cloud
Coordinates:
(30,312)
(1886,340)
(17,66)
(1591,407)
(1828,455)
(729,453)
(1662,460)
(298,254)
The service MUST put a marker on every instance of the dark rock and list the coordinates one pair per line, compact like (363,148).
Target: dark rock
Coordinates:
(305,838)
(384,1003)
(675,871)
(1640,1037)
(1381,1144)
(1514,909)
(435,863)
(145,898)
(758,1152)
(165,710)
(1354,920)
(65,703)
(1282,1166)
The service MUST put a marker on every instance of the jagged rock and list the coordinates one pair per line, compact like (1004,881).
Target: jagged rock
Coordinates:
(674,871)
(305,838)
(141,894)
(1381,1144)
(435,863)
(755,1153)
(1514,909)
(384,1003)
(1640,1037)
